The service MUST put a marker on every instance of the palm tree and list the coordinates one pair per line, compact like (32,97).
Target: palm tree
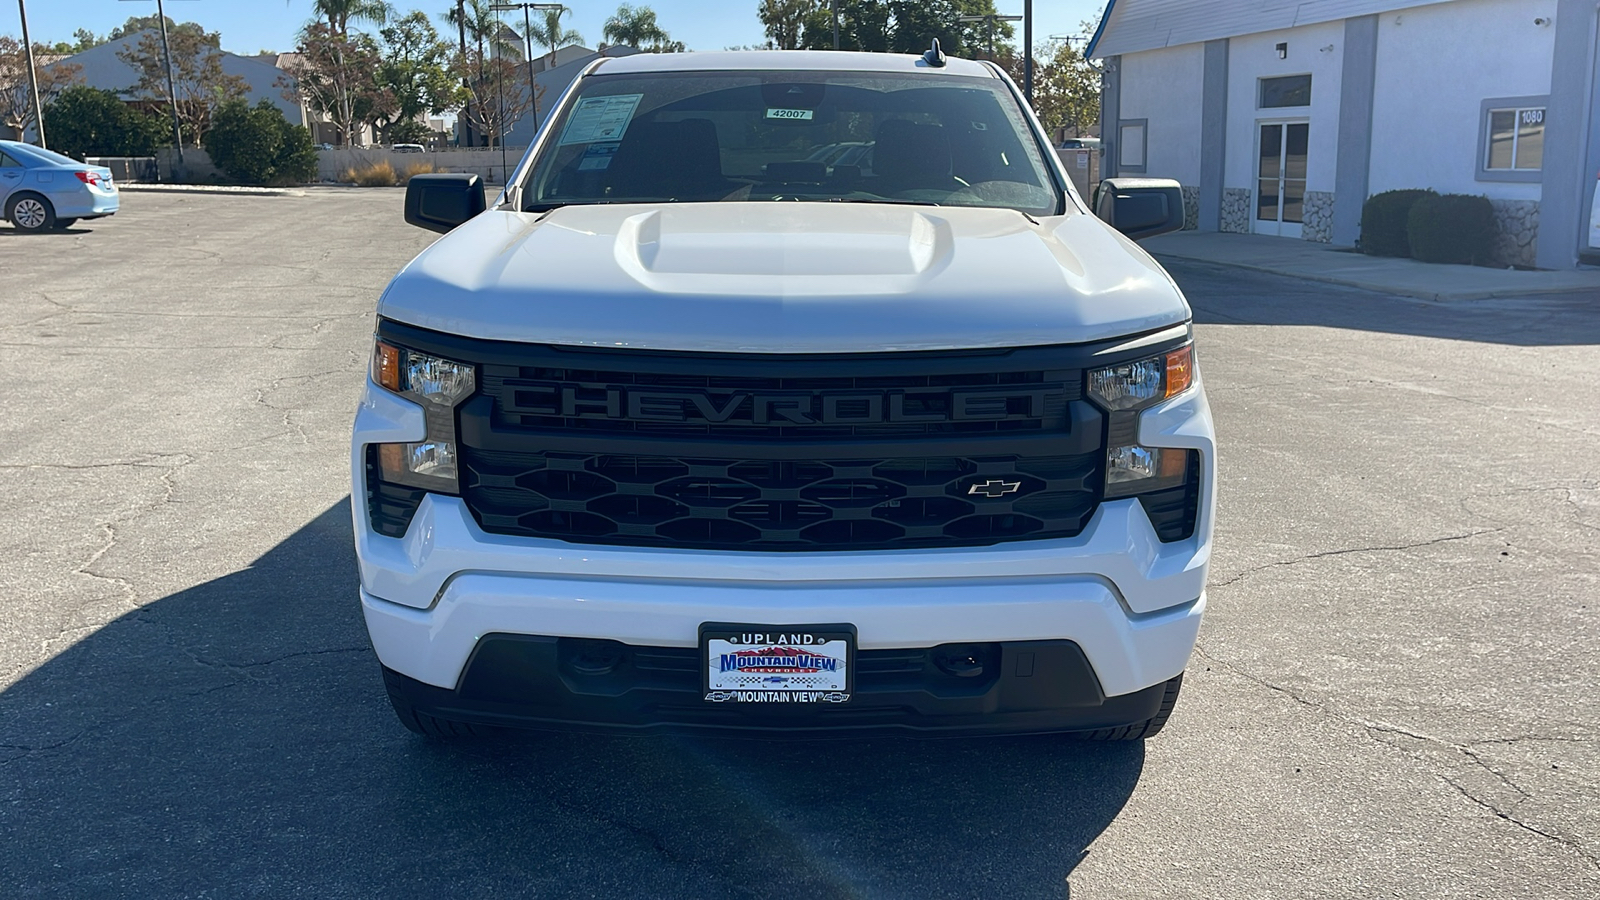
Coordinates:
(338,13)
(547,30)
(481,24)
(632,27)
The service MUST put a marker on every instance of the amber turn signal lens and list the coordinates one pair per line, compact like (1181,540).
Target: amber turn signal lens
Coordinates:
(1180,370)
(386,366)
(1174,463)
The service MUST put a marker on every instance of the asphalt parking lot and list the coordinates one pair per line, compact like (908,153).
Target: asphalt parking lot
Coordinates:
(1394,693)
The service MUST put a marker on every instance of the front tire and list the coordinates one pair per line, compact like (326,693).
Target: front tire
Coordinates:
(1150,727)
(31,213)
(64,224)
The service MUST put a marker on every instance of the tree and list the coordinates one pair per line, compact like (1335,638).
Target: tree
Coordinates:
(416,71)
(152,22)
(198,79)
(83,39)
(16,91)
(785,21)
(496,94)
(546,29)
(905,26)
(257,144)
(1066,87)
(637,27)
(85,122)
(338,13)
(337,75)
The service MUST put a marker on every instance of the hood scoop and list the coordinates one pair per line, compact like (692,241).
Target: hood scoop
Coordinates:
(704,249)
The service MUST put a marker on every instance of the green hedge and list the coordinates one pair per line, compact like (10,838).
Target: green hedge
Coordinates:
(85,122)
(257,145)
(1385,222)
(1454,228)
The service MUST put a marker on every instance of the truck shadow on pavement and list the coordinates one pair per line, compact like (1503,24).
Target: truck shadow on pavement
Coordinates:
(233,740)
(1229,296)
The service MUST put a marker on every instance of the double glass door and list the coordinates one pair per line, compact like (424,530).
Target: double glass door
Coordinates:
(1281,177)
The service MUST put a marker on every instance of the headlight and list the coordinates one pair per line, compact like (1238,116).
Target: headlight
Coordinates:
(1163,478)
(1141,383)
(439,384)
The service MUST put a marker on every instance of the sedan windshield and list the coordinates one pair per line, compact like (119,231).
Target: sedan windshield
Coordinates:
(796,136)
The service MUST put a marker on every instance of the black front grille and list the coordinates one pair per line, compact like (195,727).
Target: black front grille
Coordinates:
(780,451)
(784,504)
(808,406)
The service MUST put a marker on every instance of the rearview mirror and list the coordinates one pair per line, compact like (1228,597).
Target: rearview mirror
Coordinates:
(1140,207)
(441,202)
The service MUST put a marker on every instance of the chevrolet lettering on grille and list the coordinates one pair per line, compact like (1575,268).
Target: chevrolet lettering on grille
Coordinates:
(586,401)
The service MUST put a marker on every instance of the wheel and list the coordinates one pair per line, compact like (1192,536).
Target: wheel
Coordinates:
(424,724)
(1150,727)
(31,212)
(64,224)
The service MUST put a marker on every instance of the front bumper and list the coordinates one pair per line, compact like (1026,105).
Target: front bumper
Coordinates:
(1130,603)
(547,682)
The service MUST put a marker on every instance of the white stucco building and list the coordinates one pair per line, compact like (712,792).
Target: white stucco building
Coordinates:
(1283,117)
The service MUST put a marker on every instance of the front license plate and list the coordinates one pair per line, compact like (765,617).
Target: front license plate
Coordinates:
(777,663)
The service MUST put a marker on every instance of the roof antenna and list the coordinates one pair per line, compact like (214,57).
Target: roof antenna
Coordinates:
(935,56)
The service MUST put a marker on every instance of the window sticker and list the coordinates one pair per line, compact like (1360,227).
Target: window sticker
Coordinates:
(803,115)
(598,157)
(600,119)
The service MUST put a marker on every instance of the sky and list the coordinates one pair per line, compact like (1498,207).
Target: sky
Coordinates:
(248,26)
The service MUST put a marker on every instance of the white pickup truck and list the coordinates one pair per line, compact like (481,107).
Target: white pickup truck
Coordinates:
(788,393)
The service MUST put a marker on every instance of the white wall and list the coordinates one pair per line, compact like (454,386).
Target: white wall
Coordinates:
(1317,49)
(1436,65)
(1164,86)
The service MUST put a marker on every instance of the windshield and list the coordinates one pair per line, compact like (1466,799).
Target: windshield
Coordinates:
(798,136)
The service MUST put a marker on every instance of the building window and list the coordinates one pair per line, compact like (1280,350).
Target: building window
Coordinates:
(1132,142)
(1511,138)
(1516,138)
(1289,90)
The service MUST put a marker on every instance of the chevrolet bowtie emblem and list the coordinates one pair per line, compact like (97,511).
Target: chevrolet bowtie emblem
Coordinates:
(994,487)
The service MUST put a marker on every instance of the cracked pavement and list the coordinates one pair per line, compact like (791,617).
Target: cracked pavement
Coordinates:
(1393,693)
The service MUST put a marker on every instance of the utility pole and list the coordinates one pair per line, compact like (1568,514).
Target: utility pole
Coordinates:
(834,6)
(33,74)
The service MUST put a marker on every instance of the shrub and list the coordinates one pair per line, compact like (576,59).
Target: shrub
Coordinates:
(1384,222)
(421,168)
(1454,228)
(257,145)
(85,122)
(378,174)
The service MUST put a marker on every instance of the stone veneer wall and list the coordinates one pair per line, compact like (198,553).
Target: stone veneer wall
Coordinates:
(1191,208)
(1516,232)
(1317,217)
(1236,210)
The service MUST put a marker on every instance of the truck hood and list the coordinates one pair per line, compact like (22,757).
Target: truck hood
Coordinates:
(784,278)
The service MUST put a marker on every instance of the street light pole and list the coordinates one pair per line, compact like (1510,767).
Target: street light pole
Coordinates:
(527,37)
(172,90)
(834,6)
(33,74)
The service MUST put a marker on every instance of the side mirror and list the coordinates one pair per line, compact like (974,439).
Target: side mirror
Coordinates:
(1140,207)
(441,202)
